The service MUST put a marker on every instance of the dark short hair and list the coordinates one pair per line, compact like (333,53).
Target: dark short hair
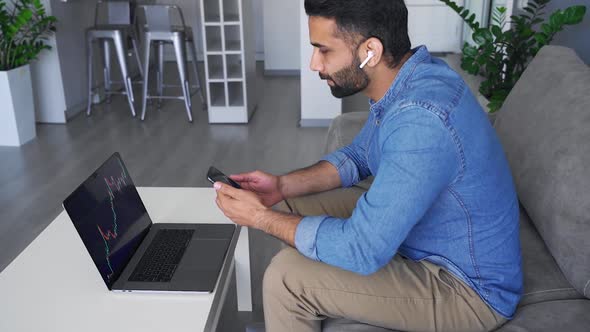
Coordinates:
(386,20)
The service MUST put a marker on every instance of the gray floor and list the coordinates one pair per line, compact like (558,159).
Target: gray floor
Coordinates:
(164,150)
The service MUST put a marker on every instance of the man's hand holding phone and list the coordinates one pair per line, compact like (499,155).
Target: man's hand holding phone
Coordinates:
(251,205)
(266,186)
(215,175)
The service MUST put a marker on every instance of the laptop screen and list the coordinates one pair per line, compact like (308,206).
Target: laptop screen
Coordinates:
(110,217)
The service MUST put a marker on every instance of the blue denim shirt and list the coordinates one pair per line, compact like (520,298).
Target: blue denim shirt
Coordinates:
(442,191)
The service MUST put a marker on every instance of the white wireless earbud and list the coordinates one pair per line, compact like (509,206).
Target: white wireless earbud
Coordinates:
(370,54)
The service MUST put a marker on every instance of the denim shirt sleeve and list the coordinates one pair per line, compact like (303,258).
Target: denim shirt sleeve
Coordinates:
(305,236)
(419,159)
(351,160)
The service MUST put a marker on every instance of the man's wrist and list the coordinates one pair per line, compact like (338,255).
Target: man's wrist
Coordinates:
(278,224)
(261,220)
(264,219)
(282,186)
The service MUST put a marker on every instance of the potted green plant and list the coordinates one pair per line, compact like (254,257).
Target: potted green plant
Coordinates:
(24,29)
(501,55)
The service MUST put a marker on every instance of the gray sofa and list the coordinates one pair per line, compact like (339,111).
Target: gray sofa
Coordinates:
(544,127)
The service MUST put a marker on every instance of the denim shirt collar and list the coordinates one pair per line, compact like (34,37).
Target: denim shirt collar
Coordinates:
(420,55)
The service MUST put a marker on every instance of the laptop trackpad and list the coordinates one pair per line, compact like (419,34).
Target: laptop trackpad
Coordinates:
(201,262)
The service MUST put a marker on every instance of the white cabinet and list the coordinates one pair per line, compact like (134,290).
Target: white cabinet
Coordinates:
(230,64)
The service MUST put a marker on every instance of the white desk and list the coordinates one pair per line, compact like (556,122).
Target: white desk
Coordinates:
(53,285)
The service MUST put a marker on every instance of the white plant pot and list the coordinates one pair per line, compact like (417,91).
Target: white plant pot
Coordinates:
(17,108)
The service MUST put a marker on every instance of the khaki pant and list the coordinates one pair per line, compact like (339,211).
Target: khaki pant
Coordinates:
(298,293)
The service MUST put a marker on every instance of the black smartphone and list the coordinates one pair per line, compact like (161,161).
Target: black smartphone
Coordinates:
(215,175)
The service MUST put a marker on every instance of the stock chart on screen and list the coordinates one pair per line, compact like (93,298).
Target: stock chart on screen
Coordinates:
(109,217)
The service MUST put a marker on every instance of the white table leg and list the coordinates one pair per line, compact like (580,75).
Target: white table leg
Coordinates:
(242,259)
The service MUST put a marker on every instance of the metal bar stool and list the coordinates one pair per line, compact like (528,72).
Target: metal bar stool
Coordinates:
(117,29)
(160,30)
(189,39)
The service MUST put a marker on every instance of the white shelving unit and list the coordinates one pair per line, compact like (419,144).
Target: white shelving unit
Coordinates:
(230,63)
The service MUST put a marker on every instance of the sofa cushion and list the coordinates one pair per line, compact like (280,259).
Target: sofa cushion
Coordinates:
(567,315)
(544,127)
(543,280)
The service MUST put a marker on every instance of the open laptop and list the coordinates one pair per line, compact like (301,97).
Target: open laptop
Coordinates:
(134,254)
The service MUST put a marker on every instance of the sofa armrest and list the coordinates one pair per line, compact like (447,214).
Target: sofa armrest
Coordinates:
(343,130)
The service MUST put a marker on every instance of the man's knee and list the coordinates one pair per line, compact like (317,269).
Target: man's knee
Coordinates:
(276,277)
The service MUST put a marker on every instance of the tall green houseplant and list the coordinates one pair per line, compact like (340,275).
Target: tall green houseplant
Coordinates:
(500,55)
(24,30)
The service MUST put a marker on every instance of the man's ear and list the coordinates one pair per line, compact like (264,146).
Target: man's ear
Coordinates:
(371,52)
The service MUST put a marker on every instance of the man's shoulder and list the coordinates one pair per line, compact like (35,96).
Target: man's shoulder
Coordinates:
(434,86)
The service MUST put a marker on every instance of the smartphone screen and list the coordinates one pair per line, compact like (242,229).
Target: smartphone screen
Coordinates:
(215,175)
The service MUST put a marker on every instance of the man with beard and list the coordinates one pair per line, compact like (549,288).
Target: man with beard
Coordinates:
(433,245)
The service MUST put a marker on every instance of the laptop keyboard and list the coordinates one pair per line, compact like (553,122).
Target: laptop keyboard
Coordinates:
(162,256)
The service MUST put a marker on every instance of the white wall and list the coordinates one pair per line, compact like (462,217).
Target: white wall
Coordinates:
(318,106)
(73,19)
(259,28)
(59,76)
(48,88)
(432,23)
(281,35)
